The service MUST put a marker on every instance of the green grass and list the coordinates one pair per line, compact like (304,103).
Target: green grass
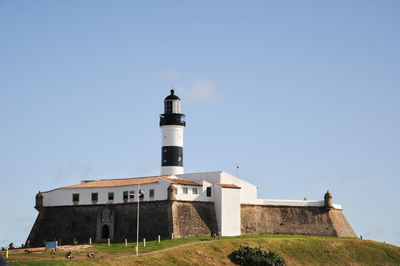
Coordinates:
(115,249)
(119,248)
(297,250)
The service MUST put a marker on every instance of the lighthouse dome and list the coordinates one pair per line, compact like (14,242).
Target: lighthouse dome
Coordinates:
(172,96)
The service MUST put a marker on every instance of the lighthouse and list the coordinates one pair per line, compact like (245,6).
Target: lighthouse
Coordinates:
(172,124)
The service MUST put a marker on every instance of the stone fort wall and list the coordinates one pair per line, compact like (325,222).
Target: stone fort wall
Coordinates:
(181,218)
(194,218)
(261,219)
(163,218)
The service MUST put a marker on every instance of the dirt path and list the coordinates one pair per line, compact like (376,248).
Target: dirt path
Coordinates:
(160,250)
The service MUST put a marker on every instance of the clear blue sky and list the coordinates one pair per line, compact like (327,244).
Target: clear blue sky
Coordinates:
(305,95)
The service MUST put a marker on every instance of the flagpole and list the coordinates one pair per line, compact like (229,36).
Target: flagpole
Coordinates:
(137,223)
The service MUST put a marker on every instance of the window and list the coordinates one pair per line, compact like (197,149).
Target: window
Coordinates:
(95,196)
(176,107)
(194,190)
(110,195)
(75,197)
(132,194)
(125,195)
(151,193)
(141,194)
(185,190)
(168,107)
(208,191)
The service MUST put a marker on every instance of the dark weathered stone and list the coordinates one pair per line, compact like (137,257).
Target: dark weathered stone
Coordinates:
(194,218)
(39,201)
(181,218)
(261,219)
(156,218)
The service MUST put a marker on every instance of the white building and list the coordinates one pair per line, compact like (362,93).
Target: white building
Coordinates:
(226,191)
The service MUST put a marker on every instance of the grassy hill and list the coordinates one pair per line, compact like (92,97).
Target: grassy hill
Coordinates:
(297,250)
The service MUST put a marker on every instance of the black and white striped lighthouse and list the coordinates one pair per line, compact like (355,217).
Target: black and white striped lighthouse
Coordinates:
(172,123)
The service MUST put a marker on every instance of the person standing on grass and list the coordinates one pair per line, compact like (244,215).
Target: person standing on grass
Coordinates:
(53,253)
(3,261)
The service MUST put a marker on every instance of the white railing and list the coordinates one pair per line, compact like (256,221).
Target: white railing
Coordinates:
(311,203)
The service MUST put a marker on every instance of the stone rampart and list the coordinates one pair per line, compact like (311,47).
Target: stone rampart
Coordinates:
(194,218)
(65,223)
(181,218)
(156,218)
(264,219)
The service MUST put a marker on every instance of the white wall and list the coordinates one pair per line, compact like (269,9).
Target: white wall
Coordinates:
(230,212)
(201,190)
(217,192)
(248,192)
(63,196)
(304,203)
(172,135)
(211,177)
(227,209)
(171,170)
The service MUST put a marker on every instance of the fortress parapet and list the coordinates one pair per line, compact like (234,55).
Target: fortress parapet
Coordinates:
(39,201)
(328,200)
(171,192)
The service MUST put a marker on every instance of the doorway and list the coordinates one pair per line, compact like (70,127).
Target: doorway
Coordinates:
(105,232)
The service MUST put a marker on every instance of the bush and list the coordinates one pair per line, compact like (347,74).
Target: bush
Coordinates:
(256,256)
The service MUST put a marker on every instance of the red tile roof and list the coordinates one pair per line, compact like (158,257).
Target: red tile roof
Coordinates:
(181,181)
(229,186)
(131,181)
(117,182)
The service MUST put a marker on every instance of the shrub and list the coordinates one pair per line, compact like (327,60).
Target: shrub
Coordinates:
(256,256)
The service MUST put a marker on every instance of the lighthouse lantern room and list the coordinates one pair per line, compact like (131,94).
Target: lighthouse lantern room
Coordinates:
(172,123)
